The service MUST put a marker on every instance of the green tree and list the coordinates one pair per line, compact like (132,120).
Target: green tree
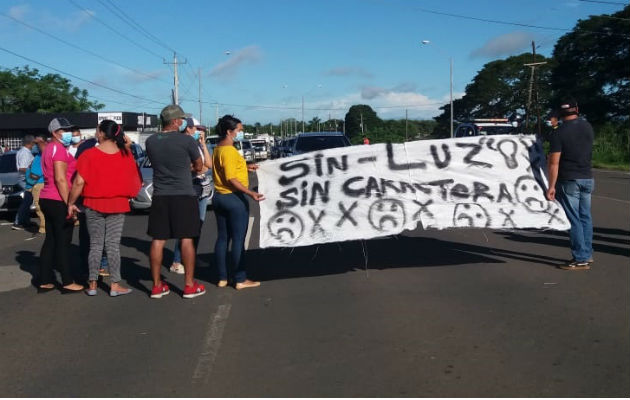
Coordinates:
(26,90)
(357,113)
(500,89)
(595,67)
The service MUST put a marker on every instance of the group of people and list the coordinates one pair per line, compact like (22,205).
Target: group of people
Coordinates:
(100,181)
(100,178)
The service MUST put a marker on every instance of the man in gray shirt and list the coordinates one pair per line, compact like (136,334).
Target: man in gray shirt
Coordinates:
(174,207)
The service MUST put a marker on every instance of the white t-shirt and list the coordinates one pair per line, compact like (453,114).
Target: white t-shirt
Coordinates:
(23,158)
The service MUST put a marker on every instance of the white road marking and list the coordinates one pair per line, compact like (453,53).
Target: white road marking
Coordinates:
(248,237)
(611,198)
(211,345)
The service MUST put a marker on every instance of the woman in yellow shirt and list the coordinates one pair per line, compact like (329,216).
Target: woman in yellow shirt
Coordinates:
(229,202)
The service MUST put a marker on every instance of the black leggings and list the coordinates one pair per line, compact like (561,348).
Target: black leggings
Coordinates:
(57,242)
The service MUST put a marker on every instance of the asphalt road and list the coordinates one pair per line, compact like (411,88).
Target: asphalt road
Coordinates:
(442,314)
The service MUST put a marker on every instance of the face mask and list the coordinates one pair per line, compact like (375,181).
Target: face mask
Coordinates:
(196,135)
(35,150)
(76,139)
(548,123)
(239,136)
(66,138)
(183,126)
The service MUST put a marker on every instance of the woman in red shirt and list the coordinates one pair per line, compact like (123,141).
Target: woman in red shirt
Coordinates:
(107,177)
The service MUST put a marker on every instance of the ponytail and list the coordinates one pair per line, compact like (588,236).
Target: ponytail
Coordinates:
(113,132)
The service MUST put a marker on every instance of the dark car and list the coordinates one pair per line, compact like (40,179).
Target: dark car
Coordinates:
(314,141)
(144,198)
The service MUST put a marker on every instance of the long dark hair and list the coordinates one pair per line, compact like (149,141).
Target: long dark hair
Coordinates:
(226,123)
(114,132)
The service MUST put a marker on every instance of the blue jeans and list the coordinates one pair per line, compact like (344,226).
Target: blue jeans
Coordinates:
(232,213)
(203,205)
(575,197)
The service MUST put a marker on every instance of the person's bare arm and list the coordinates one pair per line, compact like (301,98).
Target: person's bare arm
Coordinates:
(60,168)
(197,165)
(75,192)
(241,188)
(553,162)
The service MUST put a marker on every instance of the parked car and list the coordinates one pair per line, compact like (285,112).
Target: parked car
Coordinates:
(144,198)
(486,126)
(3,198)
(314,141)
(138,153)
(12,188)
(246,149)
(287,146)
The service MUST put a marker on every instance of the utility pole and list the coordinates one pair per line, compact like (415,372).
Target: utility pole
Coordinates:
(199,73)
(532,79)
(302,114)
(175,78)
(406,117)
(362,133)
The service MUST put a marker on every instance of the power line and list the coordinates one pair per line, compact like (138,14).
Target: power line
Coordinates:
(494,21)
(114,30)
(90,52)
(114,9)
(78,77)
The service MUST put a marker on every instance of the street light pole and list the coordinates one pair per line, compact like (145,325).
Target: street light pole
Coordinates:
(426,42)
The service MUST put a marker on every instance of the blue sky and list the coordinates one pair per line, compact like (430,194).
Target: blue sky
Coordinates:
(258,58)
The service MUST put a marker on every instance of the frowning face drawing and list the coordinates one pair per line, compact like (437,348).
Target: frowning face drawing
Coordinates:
(286,227)
(530,194)
(387,215)
(470,215)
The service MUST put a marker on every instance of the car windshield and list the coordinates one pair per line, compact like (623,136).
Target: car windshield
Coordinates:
(314,143)
(495,130)
(246,145)
(7,163)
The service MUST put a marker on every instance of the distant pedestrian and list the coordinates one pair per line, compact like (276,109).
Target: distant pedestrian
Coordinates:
(58,167)
(174,206)
(202,186)
(570,175)
(35,179)
(107,177)
(76,142)
(366,140)
(552,126)
(231,208)
(23,160)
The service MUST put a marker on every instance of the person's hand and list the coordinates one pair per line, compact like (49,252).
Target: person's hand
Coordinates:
(252,167)
(127,140)
(551,194)
(202,137)
(73,210)
(257,196)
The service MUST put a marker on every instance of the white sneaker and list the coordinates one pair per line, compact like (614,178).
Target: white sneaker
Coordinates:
(177,268)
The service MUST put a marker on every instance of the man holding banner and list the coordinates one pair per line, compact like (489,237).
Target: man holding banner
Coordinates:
(570,167)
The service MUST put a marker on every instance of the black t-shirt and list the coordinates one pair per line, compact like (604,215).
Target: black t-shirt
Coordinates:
(574,140)
(171,154)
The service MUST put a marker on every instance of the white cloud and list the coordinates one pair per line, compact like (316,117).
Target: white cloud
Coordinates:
(19,11)
(141,76)
(504,45)
(246,56)
(70,23)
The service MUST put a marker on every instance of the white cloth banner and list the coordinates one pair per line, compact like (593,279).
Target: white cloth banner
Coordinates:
(368,191)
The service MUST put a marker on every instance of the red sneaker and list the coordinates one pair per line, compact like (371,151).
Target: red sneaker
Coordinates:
(193,291)
(161,290)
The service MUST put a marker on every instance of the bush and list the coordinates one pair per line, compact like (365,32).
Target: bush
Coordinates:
(610,148)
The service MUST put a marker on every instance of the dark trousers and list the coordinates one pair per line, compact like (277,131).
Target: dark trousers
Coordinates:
(232,213)
(23,216)
(56,245)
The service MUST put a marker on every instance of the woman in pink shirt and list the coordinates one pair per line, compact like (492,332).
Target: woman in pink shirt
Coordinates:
(58,166)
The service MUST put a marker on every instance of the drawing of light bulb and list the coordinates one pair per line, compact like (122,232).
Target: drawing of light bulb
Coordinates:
(508,148)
